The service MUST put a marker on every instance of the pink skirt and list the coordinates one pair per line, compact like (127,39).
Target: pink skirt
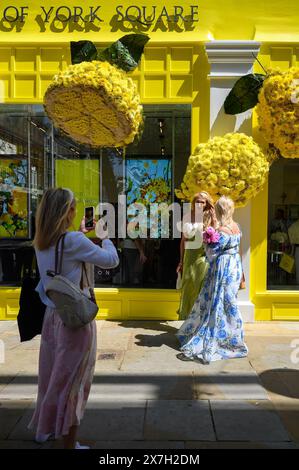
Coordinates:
(66,367)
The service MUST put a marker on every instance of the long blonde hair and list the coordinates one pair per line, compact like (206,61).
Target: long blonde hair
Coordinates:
(52,217)
(224,208)
(207,216)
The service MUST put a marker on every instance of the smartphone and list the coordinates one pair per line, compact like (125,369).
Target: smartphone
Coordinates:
(89,217)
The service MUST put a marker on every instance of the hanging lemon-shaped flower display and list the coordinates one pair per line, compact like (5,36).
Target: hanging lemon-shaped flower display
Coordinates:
(233,165)
(278,111)
(276,95)
(95,101)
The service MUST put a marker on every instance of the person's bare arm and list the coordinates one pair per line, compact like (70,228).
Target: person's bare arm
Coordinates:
(214,221)
(182,250)
(139,245)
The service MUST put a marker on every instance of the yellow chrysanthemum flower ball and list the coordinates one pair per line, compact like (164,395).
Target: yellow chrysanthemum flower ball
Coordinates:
(96,104)
(233,165)
(278,111)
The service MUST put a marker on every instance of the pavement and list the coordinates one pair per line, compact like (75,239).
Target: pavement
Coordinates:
(143,397)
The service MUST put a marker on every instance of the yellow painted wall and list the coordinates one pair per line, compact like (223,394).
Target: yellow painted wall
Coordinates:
(269,305)
(114,304)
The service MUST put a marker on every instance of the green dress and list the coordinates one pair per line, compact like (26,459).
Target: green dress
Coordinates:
(195,268)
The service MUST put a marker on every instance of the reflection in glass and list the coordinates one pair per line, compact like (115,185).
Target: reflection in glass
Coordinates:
(34,156)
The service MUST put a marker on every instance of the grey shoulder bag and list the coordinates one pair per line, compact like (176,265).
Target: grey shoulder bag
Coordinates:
(74,307)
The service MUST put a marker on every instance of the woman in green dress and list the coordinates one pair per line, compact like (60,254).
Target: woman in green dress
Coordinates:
(193,266)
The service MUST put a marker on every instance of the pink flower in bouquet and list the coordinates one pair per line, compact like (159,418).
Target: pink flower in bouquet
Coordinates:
(211,236)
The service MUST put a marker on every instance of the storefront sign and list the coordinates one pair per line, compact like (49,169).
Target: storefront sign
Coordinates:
(57,18)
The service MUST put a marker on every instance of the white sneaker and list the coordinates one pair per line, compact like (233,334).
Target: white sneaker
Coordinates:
(41,438)
(78,446)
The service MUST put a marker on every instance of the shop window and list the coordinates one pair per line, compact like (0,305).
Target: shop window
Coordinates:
(148,172)
(283,226)
(24,148)
(34,156)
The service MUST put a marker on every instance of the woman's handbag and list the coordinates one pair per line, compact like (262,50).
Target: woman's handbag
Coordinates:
(32,310)
(73,306)
(179,281)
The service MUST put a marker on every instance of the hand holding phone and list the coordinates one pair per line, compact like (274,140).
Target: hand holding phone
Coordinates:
(89,218)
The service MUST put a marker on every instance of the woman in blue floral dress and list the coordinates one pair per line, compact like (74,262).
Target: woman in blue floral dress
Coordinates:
(214,328)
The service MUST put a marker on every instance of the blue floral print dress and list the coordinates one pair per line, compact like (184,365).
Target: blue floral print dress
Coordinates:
(214,328)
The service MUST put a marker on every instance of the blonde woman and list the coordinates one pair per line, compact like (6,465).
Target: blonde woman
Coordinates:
(67,357)
(214,329)
(193,265)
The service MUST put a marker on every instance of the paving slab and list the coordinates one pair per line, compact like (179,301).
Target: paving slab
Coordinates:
(178,420)
(229,387)
(139,445)
(11,413)
(21,387)
(228,379)
(154,361)
(271,329)
(154,341)
(10,340)
(271,353)
(7,444)
(122,385)
(240,445)
(17,360)
(247,421)
(113,421)
(282,395)
(113,339)
(155,336)
(282,381)
(109,359)
(6,325)
(33,344)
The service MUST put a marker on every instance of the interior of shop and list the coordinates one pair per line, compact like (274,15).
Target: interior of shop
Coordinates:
(35,156)
(283,226)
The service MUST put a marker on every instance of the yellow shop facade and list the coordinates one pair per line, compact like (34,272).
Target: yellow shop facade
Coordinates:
(196,52)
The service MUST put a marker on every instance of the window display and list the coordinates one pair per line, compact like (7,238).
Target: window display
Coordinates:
(34,156)
(13,198)
(283,226)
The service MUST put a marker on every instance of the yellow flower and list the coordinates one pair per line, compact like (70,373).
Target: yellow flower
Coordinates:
(233,165)
(223,175)
(96,104)
(278,111)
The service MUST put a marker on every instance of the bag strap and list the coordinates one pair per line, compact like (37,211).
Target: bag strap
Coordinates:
(84,271)
(58,261)
(91,290)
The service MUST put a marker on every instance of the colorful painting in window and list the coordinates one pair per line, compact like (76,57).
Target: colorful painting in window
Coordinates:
(13,198)
(148,181)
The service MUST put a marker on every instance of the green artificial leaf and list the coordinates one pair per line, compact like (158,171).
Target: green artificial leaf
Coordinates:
(83,51)
(126,52)
(244,94)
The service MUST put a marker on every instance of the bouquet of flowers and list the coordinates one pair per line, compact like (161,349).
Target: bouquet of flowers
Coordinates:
(210,235)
